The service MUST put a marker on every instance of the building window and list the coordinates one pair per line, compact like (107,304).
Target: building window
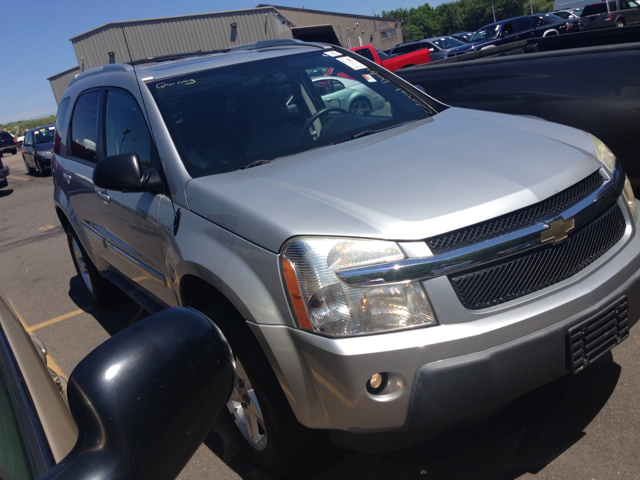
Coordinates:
(391,33)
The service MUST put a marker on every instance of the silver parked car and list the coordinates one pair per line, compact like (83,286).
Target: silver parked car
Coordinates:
(352,95)
(379,278)
(611,13)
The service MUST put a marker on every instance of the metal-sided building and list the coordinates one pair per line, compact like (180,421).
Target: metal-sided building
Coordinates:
(136,39)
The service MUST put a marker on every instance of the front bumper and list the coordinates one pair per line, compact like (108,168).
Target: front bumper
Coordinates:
(473,362)
(4,172)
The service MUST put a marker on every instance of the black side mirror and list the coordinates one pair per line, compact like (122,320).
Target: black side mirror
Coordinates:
(124,173)
(146,398)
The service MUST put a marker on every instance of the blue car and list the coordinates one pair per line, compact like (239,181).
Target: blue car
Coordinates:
(497,34)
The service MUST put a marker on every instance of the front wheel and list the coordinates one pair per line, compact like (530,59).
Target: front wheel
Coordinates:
(360,106)
(30,170)
(265,427)
(620,23)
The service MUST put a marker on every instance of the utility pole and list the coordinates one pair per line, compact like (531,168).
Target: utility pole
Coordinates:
(494,12)
(531,2)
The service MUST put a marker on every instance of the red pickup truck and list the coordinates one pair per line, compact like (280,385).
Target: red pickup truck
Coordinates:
(393,63)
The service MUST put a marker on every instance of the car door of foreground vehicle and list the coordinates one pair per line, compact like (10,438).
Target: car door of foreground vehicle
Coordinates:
(122,228)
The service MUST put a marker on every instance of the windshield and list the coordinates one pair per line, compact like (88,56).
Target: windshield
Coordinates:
(447,42)
(43,135)
(381,54)
(486,33)
(234,116)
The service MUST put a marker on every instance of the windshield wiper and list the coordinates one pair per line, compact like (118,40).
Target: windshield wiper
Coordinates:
(367,132)
(255,164)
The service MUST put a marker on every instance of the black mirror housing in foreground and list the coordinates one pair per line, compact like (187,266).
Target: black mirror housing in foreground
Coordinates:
(146,398)
(124,173)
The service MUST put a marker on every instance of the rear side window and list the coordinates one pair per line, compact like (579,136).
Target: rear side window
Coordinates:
(84,127)
(59,144)
(612,6)
(522,24)
(366,53)
(126,128)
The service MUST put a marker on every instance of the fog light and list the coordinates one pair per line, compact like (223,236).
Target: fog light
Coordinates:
(377,383)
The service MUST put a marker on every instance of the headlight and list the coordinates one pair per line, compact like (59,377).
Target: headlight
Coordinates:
(607,157)
(325,304)
(44,153)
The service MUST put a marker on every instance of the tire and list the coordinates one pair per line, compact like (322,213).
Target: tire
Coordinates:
(100,290)
(42,171)
(30,170)
(360,106)
(265,427)
(620,23)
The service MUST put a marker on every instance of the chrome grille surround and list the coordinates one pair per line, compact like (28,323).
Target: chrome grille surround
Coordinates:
(491,251)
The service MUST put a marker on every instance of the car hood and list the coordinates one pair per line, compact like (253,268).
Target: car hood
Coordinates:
(43,147)
(470,47)
(408,183)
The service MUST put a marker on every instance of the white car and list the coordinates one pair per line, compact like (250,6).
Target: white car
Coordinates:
(348,94)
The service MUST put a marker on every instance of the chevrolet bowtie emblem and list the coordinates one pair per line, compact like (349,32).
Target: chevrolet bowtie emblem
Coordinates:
(557,230)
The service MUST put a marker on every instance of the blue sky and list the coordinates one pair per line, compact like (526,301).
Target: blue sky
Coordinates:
(36,36)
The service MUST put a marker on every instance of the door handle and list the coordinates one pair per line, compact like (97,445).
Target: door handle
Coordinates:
(102,194)
(67,177)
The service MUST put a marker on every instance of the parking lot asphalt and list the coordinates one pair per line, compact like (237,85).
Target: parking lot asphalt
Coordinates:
(585,426)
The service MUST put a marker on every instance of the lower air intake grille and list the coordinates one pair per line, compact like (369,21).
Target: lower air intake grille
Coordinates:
(515,277)
(591,339)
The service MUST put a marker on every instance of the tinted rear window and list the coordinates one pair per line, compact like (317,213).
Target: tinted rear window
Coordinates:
(594,9)
(5,136)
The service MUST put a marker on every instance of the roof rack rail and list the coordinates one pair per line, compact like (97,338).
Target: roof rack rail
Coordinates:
(176,56)
(246,46)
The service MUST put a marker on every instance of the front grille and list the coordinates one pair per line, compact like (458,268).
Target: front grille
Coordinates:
(514,277)
(594,337)
(518,219)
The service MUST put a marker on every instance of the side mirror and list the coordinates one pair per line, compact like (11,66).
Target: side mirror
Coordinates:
(145,399)
(124,173)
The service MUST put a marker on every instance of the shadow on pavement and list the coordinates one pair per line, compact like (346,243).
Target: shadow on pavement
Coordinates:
(524,437)
(117,316)
(5,192)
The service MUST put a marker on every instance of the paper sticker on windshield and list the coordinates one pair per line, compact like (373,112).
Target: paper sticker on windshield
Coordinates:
(332,53)
(52,128)
(369,78)
(350,62)
(497,27)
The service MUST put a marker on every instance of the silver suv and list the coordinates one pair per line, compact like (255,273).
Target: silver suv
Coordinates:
(378,276)
(618,13)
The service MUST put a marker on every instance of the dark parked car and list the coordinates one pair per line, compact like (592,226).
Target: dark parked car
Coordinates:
(549,24)
(438,46)
(611,13)
(37,149)
(463,36)
(172,373)
(8,143)
(496,34)
(572,17)
(4,173)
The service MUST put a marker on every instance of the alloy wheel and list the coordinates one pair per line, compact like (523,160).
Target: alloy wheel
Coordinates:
(82,265)
(244,407)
